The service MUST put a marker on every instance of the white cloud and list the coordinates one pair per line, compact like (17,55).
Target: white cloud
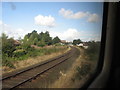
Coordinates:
(12,32)
(1,22)
(0,27)
(68,35)
(45,20)
(93,18)
(15,33)
(69,14)
(78,15)
(71,34)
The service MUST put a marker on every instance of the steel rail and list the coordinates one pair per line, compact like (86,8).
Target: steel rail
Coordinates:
(33,77)
(25,70)
(65,57)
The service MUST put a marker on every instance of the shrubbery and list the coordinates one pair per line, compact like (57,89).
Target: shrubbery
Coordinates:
(93,50)
(19,53)
(12,52)
(6,61)
(25,54)
(92,54)
(83,70)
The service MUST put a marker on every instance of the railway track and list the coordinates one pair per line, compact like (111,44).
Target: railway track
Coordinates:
(19,78)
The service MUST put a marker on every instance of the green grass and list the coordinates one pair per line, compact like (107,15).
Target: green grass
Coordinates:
(21,54)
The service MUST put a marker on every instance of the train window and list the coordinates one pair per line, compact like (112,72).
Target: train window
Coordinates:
(50,44)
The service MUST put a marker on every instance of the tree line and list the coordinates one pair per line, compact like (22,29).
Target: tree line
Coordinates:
(34,38)
(40,39)
(10,51)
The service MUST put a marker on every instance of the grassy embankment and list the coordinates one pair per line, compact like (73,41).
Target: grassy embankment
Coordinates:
(81,69)
(49,77)
(33,56)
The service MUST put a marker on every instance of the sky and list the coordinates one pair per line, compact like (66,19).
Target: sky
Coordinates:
(67,20)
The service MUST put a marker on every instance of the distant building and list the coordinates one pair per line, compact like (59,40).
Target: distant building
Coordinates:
(83,45)
(16,43)
(63,41)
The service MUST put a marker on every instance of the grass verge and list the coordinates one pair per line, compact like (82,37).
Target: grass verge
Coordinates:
(18,64)
(78,74)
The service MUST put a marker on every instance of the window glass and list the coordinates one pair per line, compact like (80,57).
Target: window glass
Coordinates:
(38,32)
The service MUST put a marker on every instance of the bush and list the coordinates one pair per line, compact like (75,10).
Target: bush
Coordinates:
(19,53)
(6,61)
(57,44)
(19,47)
(93,50)
(83,70)
(33,53)
(41,44)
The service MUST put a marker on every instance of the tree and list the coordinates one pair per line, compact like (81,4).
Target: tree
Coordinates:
(7,45)
(34,38)
(25,43)
(76,41)
(46,38)
(40,36)
(30,39)
(41,43)
(35,41)
(35,34)
(56,40)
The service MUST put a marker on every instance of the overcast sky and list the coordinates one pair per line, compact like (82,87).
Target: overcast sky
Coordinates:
(67,20)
